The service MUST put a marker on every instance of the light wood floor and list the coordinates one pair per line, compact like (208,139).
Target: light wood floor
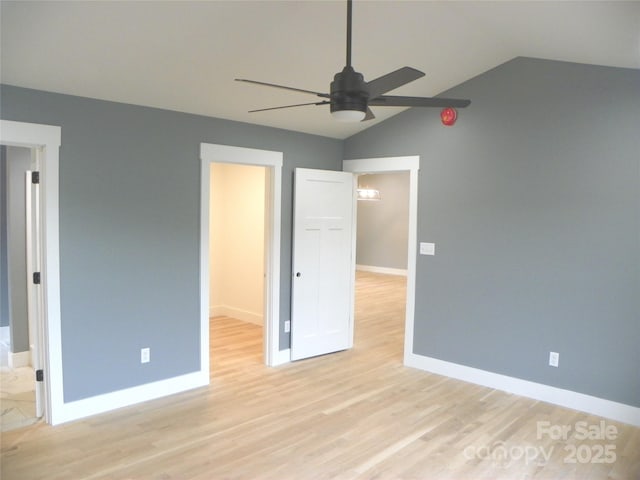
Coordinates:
(17,398)
(357,414)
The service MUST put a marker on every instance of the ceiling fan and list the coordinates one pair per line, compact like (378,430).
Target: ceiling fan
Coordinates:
(351,96)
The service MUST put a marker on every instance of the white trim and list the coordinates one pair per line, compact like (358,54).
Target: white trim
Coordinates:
(47,139)
(205,181)
(537,391)
(281,357)
(384,270)
(237,313)
(129,396)
(273,161)
(352,266)
(19,359)
(383,164)
(399,164)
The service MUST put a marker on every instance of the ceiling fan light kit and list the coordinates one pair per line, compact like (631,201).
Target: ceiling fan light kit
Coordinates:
(351,96)
(348,116)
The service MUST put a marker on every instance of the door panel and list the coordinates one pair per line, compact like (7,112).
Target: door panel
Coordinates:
(322,264)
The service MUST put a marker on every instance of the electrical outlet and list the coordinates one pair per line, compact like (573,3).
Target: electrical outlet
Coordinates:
(287,326)
(145,355)
(554,359)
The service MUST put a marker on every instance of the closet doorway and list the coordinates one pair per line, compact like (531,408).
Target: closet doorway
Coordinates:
(237,213)
(270,167)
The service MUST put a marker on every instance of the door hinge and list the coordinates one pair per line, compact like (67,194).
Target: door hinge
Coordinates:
(40,375)
(35,177)
(36,278)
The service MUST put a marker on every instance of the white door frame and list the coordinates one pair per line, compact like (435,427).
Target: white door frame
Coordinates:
(390,165)
(34,292)
(45,139)
(273,162)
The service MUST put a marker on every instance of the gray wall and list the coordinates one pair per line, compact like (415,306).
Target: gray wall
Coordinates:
(383,226)
(533,201)
(129,230)
(18,161)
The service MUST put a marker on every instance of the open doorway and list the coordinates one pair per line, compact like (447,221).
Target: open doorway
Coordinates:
(383,223)
(237,261)
(271,162)
(44,142)
(19,305)
(410,164)
(381,261)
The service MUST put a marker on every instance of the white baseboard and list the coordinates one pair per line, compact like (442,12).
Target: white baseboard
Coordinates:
(384,270)
(538,391)
(281,357)
(130,396)
(19,359)
(244,315)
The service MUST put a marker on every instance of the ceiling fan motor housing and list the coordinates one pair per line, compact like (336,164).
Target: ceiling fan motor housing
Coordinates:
(349,91)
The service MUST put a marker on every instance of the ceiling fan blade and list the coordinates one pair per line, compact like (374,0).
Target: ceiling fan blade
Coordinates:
(369,115)
(290,106)
(391,101)
(393,80)
(319,94)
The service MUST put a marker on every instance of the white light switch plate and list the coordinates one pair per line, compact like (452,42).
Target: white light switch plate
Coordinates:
(427,248)
(145,355)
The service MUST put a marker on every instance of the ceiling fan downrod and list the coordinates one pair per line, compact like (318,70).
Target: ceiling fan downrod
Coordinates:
(349,92)
(349,15)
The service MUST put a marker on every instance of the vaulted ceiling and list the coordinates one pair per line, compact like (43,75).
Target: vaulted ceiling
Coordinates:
(184,55)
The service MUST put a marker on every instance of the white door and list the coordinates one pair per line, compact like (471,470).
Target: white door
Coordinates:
(34,292)
(323,269)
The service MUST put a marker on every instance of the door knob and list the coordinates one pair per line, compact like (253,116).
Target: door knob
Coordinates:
(298,274)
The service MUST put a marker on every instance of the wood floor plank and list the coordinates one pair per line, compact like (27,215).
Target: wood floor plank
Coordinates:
(357,414)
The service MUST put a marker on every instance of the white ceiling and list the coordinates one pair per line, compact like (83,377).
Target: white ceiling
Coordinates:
(184,55)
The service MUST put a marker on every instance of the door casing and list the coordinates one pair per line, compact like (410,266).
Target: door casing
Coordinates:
(45,140)
(210,153)
(34,291)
